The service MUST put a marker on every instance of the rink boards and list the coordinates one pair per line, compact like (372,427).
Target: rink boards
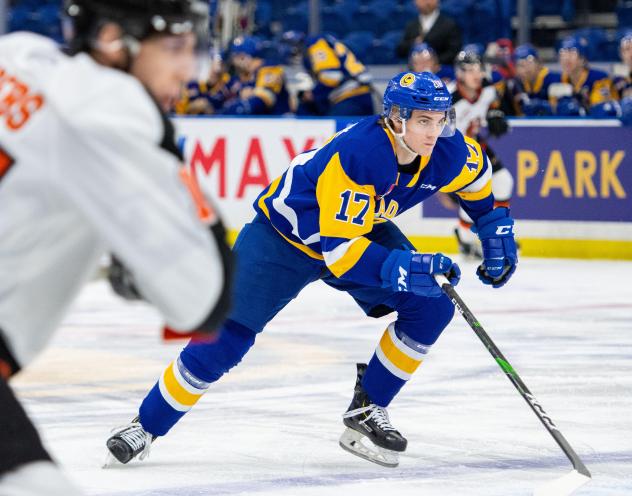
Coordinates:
(573,178)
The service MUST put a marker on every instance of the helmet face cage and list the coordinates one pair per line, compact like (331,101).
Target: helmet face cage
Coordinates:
(410,91)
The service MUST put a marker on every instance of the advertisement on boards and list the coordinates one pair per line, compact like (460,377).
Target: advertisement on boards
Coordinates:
(565,172)
(234,159)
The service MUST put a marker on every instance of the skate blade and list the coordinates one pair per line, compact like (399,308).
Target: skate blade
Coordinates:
(109,461)
(359,445)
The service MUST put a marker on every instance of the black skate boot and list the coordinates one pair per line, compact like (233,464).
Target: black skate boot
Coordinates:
(369,432)
(127,442)
(471,250)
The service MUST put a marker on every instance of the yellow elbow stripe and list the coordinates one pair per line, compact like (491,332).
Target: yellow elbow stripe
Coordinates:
(350,258)
(176,391)
(396,357)
(477,195)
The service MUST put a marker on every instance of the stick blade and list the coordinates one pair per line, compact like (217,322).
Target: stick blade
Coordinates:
(564,486)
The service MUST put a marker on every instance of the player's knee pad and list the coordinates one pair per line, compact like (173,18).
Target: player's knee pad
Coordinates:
(424,319)
(209,361)
(502,185)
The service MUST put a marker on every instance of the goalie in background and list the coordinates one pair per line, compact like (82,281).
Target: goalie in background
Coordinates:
(89,164)
(329,217)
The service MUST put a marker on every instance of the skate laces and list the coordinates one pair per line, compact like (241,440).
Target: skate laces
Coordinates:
(377,413)
(136,437)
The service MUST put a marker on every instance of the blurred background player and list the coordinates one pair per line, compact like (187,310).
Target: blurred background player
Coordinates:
(423,58)
(258,85)
(88,163)
(206,96)
(590,91)
(432,26)
(533,82)
(477,105)
(328,217)
(623,81)
(340,83)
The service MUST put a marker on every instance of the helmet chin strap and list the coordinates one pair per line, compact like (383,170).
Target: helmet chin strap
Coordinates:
(400,136)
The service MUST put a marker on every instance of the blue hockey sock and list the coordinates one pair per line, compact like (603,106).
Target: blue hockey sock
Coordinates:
(172,396)
(187,378)
(396,358)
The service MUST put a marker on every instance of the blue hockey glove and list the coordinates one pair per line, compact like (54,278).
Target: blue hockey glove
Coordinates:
(495,230)
(405,270)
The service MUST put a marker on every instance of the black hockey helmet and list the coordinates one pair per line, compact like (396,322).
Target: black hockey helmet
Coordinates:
(467,57)
(138,19)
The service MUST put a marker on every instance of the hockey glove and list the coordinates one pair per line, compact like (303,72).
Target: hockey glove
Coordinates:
(497,123)
(495,230)
(411,271)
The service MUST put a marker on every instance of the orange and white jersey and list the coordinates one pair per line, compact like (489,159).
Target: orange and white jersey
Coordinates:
(88,165)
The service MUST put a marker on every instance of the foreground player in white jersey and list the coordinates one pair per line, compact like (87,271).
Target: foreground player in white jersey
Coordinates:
(88,164)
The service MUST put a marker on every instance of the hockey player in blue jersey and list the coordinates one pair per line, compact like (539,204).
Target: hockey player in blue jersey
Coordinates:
(623,80)
(328,217)
(591,90)
(342,84)
(258,85)
(533,82)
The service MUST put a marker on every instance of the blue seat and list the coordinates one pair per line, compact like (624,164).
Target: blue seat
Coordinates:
(597,39)
(624,13)
(366,18)
(295,18)
(400,16)
(360,43)
(388,47)
(336,19)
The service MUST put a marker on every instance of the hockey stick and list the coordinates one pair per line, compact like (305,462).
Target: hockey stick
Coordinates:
(580,475)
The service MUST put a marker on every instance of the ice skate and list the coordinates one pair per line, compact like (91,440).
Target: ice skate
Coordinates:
(369,432)
(128,442)
(469,245)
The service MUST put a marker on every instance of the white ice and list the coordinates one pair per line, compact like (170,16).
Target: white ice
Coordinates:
(271,426)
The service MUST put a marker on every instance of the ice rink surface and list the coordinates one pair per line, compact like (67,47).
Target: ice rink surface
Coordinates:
(271,426)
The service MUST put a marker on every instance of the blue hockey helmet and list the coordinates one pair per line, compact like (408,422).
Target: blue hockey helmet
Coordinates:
(249,45)
(626,111)
(416,91)
(421,48)
(605,110)
(410,91)
(569,107)
(536,107)
(524,52)
(477,48)
(577,43)
(626,38)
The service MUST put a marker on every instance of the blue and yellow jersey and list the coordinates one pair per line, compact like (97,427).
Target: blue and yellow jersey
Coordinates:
(264,92)
(539,87)
(338,74)
(623,86)
(592,87)
(203,97)
(329,198)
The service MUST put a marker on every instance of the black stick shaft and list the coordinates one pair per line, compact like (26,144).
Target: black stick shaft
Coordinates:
(512,375)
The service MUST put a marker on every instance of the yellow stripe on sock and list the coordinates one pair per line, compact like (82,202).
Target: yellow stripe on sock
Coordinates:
(175,389)
(397,357)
